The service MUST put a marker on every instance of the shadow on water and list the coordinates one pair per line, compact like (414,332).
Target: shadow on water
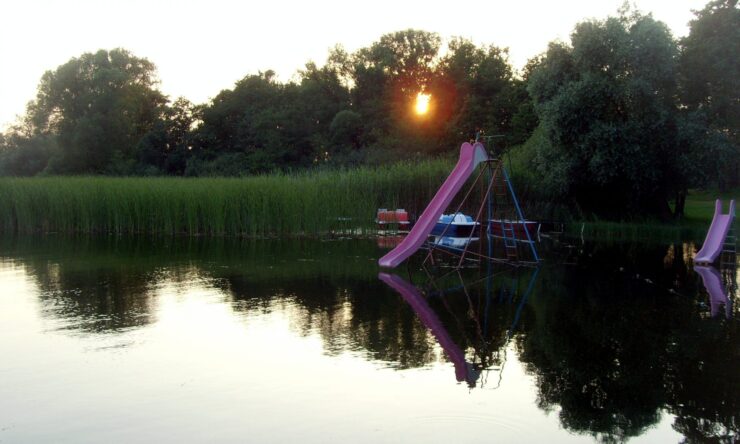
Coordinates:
(612,334)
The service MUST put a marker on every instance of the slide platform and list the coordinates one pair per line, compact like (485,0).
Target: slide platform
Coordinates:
(470,157)
(716,235)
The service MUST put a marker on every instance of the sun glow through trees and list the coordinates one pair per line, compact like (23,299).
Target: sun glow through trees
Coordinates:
(422,103)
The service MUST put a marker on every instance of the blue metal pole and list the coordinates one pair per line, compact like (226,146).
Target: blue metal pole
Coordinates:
(523,301)
(519,213)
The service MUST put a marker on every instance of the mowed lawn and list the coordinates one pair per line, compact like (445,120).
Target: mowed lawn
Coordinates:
(700,204)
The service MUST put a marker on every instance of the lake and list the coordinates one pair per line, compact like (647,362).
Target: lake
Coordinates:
(232,340)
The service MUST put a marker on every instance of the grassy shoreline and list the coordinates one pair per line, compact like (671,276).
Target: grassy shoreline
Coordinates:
(698,214)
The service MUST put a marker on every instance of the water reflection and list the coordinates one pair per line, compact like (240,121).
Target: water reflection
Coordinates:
(95,299)
(464,371)
(490,352)
(614,342)
(612,338)
(717,292)
(453,243)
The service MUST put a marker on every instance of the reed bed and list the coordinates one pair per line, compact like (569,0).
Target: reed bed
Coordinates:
(306,203)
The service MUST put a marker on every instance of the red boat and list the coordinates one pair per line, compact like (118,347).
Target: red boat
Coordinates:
(398,219)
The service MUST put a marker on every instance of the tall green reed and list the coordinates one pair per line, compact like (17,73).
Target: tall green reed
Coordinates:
(300,203)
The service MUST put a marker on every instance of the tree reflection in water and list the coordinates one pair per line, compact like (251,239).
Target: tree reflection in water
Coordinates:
(612,341)
(620,337)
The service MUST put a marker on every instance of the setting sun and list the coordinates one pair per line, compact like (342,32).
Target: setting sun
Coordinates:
(422,103)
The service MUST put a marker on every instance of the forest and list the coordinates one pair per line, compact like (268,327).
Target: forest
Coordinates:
(621,120)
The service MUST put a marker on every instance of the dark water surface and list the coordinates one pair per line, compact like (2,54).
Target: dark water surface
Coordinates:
(227,340)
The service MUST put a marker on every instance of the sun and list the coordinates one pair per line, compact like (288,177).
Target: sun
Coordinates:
(422,103)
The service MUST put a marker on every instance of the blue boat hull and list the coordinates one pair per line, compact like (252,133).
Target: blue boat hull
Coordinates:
(452,230)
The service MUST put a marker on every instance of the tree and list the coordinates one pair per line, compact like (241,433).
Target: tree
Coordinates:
(317,99)
(168,146)
(477,90)
(607,104)
(345,130)
(98,107)
(524,121)
(710,74)
(386,78)
(406,58)
(245,120)
(273,125)
(21,155)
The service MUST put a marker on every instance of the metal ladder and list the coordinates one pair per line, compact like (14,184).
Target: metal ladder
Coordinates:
(509,215)
(506,216)
(729,247)
(512,250)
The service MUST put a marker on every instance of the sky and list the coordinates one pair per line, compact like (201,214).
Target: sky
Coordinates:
(203,47)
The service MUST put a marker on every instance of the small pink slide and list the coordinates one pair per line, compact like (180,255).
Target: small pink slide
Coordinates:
(716,235)
(470,157)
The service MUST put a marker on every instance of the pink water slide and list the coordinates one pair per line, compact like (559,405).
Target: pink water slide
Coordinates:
(470,157)
(716,235)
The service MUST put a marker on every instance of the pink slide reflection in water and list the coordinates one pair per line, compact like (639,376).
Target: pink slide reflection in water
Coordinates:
(717,295)
(470,157)
(463,370)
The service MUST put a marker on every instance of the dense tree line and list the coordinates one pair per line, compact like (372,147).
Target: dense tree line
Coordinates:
(623,110)
(624,128)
